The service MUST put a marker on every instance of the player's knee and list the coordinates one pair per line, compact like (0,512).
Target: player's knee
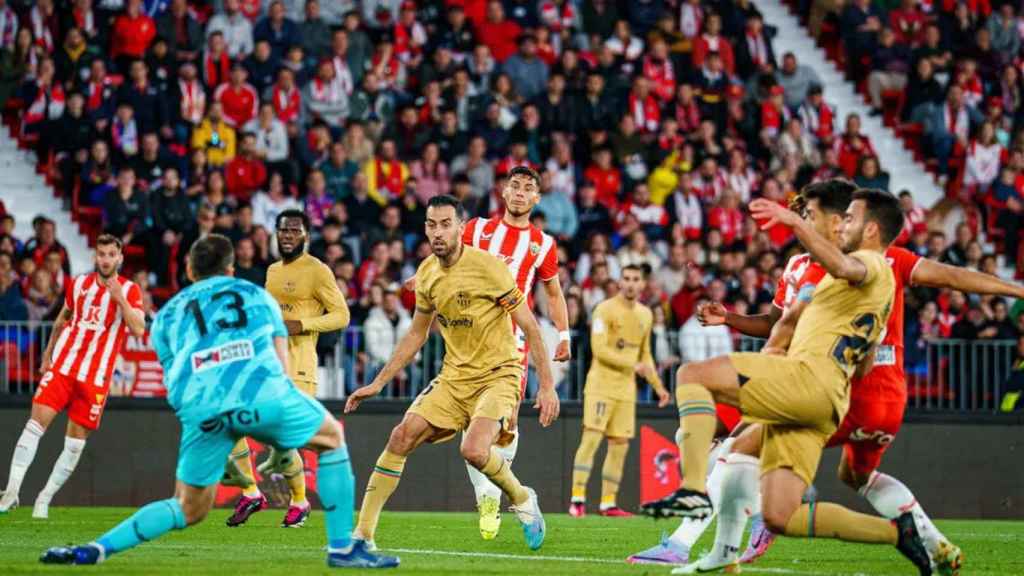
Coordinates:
(401,441)
(850,477)
(776,516)
(476,456)
(331,434)
(195,509)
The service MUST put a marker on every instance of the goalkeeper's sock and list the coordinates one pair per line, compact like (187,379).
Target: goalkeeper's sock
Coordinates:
(295,475)
(151,521)
(337,494)
(382,484)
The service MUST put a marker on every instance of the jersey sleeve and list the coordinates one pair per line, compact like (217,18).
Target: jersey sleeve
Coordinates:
(903,263)
(424,303)
(69,295)
(469,231)
(158,338)
(779,300)
(549,265)
(135,296)
(330,297)
(874,262)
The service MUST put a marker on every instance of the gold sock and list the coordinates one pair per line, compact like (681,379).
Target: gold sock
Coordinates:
(697,421)
(828,520)
(611,475)
(582,463)
(242,461)
(295,475)
(382,484)
(500,474)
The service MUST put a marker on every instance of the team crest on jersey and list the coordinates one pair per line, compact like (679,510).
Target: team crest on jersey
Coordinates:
(289,286)
(534,248)
(462,299)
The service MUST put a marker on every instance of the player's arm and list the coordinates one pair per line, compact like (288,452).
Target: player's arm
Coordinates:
(867,363)
(547,399)
(938,275)
(832,259)
(330,297)
(281,348)
(602,348)
(782,332)
(755,325)
(560,316)
(63,317)
(649,370)
(405,351)
(132,312)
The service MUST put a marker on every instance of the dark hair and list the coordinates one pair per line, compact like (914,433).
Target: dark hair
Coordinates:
(442,200)
(833,195)
(525,171)
(109,240)
(905,194)
(211,256)
(293,213)
(884,209)
(635,268)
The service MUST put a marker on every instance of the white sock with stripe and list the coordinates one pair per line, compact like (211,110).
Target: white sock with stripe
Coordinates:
(891,498)
(691,529)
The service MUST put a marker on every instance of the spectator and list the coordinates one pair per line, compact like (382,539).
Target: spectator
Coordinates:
(1003,29)
(314,30)
(190,95)
(685,213)
(318,202)
(860,23)
(890,64)
(924,93)
(949,128)
(1008,203)
(870,175)
(43,296)
(150,163)
(338,172)
(238,98)
(385,325)
(649,217)
(325,96)
(498,33)
(261,67)
(148,104)
(247,267)
(625,47)
(638,251)
(245,174)
(131,34)
(698,343)
(45,98)
(818,117)
(559,211)
(126,212)
(74,58)
(475,166)
(593,217)
(215,137)
(528,73)
(908,23)
(235,27)
(431,174)
(851,146)
(277,29)
(267,205)
(984,156)
(712,41)
(12,306)
(183,34)
(796,80)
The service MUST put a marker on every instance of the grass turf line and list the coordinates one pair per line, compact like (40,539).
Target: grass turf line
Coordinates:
(449,543)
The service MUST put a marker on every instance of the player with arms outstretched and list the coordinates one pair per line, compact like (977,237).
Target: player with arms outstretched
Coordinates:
(222,344)
(311,304)
(475,300)
(100,308)
(800,398)
(530,254)
(621,343)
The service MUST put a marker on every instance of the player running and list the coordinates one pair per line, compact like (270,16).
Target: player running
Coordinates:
(100,308)
(222,344)
(475,300)
(621,344)
(800,398)
(311,304)
(530,254)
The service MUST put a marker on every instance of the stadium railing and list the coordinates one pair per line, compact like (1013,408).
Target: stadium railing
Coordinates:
(947,376)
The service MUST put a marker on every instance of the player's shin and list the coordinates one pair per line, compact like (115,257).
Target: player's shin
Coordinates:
(241,463)
(891,498)
(382,484)
(582,463)
(62,470)
(151,521)
(611,475)
(295,474)
(499,471)
(24,454)
(337,493)
(697,420)
(828,520)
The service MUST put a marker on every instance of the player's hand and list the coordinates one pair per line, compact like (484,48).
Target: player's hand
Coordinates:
(294,327)
(357,397)
(768,214)
(711,314)
(410,284)
(549,405)
(112,285)
(663,398)
(562,352)
(642,369)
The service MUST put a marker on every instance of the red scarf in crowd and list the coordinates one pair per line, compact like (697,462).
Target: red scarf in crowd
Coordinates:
(392,181)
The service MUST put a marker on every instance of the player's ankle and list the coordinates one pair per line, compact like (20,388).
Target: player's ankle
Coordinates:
(251,492)
(299,503)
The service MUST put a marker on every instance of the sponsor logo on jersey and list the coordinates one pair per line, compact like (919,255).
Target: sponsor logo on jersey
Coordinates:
(228,419)
(885,356)
(460,322)
(210,358)
(91,318)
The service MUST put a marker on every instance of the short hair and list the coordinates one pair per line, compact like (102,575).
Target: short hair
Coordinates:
(833,195)
(211,256)
(109,240)
(525,171)
(293,213)
(442,200)
(635,268)
(884,209)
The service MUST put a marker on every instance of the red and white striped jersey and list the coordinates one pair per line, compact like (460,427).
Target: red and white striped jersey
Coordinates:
(528,252)
(800,271)
(88,345)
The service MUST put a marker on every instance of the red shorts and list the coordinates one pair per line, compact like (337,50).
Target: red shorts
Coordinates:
(83,402)
(729,416)
(867,431)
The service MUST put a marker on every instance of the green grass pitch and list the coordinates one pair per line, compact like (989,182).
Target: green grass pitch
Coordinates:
(448,543)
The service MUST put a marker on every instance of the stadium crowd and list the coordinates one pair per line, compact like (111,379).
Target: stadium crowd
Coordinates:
(652,122)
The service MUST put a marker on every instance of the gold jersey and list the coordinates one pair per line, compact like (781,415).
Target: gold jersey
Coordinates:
(620,337)
(473,301)
(842,322)
(306,290)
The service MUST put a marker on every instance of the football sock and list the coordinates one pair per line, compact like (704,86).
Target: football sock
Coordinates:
(582,463)
(611,475)
(697,420)
(151,521)
(337,488)
(740,479)
(24,454)
(499,471)
(64,467)
(891,498)
(383,481)
(242,462)
(295,475)
(828,520)
(482,487)
(691,529)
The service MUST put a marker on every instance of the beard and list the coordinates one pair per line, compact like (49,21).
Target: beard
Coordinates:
(107,274)
(295,252)
(852,242)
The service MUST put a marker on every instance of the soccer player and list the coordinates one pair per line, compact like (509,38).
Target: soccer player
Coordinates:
(222,344)
(475,300)
(311,303)
(100,308)
(530,254)
(621,344)
(800,398)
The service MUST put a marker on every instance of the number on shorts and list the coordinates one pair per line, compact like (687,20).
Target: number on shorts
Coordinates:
(850,350)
